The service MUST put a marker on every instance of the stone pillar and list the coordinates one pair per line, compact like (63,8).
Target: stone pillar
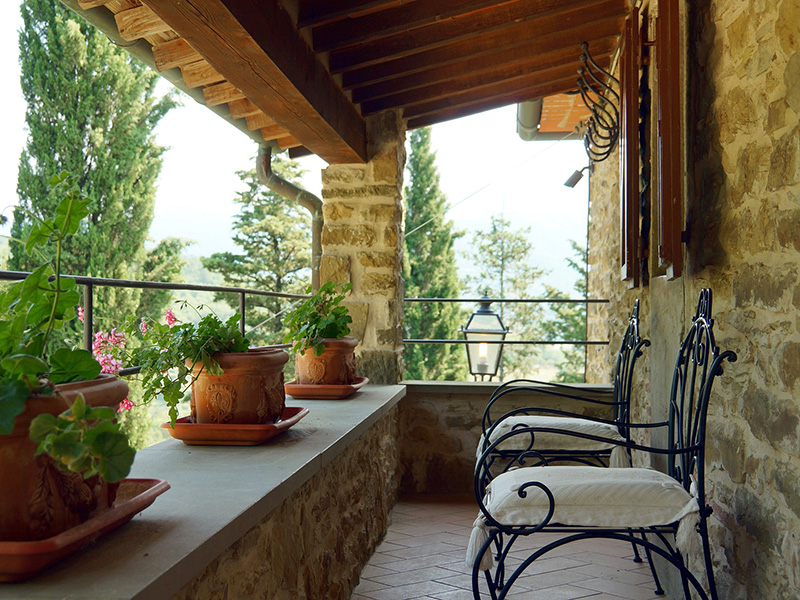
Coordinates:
(362,243)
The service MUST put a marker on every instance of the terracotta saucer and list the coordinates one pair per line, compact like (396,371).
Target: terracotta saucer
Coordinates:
(214,434)
(324,392)
(20,560)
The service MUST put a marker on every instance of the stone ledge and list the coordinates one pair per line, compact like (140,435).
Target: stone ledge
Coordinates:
(218,494)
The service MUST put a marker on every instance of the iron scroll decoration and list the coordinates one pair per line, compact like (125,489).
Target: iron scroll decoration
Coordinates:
(602,128)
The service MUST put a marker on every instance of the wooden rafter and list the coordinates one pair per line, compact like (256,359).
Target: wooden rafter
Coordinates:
(312,12)
(174,54)
(221,93)
(255,46)
(259,121)
(139,22)
(200,73)
(241,109)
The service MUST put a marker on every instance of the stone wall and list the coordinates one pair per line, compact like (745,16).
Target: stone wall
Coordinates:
(440,425)
(743,213)
(362,244)
(315,544)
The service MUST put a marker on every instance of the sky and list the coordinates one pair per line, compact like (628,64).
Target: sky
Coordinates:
(485,169)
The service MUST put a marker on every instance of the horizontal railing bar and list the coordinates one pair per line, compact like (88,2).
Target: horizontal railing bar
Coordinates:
(155,285)
(514,300)
(511,342)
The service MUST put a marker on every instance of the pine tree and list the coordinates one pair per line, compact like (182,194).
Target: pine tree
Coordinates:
(502,256)
(430,270)
(274,237)
(92,111)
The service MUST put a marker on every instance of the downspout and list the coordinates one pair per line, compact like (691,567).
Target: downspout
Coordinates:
(294,193)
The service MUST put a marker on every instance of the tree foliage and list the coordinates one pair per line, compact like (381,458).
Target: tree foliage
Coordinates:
(568,321)
(273,235)
(502,257)
(430,270)
(91,110)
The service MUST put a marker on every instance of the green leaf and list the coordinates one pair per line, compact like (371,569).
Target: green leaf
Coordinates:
(13,394)
(70,212)
(78,409)
(116,455)
(73,365)
(42,426)
(19,364)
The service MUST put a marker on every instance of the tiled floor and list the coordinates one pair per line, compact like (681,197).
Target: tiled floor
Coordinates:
(423,557)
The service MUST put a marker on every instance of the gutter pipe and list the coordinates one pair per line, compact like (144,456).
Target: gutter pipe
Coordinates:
(298,195)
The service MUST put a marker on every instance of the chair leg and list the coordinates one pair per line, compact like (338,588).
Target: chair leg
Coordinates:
(702,529)
(636,557)
(659,591)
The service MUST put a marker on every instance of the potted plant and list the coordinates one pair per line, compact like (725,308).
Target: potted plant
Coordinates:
(60,446)
(229,383)
(318,330)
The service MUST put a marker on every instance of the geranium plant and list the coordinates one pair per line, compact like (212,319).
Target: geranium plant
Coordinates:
(82,439)
(320,316)
(170,351)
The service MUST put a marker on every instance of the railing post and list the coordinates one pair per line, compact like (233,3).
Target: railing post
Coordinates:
(88,316)
(241,311)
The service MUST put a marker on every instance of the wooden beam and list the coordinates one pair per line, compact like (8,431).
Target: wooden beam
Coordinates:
(259,121)
(548,14)
(136,23)
(539,53)
(241,109)
(174,54)
(520,74)
(288,142)
(399,19)
(200,73)
(273,132)
(312,12)
(87,4)
(299,152)
(255,46)
(221,93)
(558,81)
(473,108)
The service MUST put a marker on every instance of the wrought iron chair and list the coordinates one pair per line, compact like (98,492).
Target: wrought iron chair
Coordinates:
(583,502)
(578,450)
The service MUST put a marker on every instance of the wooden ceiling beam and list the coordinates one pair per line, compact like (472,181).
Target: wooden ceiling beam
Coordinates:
(221,93)
(563,79)
(478,106)
(174,54)
(313,12)
(273,132)
(255,46)
(288,141)
(552,67)
(137,23)
(539,53)
(241,109)
(200,73)
(258,121)
(399,19)
(548,14)
(87,4)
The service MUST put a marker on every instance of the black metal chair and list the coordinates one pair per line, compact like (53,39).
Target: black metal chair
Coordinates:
(641,506)
(577,450)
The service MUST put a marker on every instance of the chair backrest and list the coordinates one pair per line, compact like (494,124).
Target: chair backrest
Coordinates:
(698,364)
(629,351)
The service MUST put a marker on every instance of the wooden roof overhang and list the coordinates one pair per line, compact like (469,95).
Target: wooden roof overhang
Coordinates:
(304,74)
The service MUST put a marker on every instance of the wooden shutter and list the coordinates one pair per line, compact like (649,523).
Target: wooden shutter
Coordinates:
(629,152)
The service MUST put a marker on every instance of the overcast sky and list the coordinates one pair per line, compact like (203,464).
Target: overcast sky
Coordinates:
(521,181)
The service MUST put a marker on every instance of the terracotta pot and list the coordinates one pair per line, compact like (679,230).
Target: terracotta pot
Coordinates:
(335,366)
(37,499)
(250,391)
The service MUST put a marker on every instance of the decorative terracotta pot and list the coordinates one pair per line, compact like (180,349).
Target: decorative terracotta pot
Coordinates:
(250,391)
(37,499)
(335,366)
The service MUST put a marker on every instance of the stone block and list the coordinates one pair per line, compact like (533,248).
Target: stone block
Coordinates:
(783,163)
(336,211)
(390,236)
(381,366)
(390,337)
(791,79)
(348,235)
(364,191)
(359,312)
(378,283)
(334,268)
(386,168)
(377,260)
(341,174)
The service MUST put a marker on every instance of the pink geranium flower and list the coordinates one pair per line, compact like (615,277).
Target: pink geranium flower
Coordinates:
(80,314)
(125,405)
(170,317)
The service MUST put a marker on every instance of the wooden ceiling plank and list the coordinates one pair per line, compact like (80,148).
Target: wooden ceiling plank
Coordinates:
(87,4)
(402,18)
(221,93)
(241,109)
(255,46)
(259,121)
(288,142)
(273,132)
(512,15)
(299,152)
(478,106)
(572,33)
(313,12)
(538,52)
(200,73)
(565,77)
(169,55)
(136,23)
(556,65)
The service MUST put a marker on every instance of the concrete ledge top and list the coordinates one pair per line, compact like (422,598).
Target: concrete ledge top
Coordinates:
(485,388)
(217,494)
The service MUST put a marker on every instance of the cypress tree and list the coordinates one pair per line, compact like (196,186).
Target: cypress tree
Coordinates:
(430,270)
(91,111)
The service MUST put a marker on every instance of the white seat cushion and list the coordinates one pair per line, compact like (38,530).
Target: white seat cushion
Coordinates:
(590,496)
(553,441)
